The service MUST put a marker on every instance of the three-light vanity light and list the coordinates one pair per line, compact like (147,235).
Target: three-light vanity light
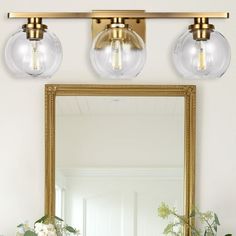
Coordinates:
(118,49)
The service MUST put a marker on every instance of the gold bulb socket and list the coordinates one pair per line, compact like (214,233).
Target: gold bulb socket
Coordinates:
(34,29)
(117,25)
(118,31)
(201,29)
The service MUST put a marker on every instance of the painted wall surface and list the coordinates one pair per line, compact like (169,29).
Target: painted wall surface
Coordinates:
(22,105)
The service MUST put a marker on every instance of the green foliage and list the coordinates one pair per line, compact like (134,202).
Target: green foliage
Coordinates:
(70,229)
(42,220)
(30,233)
(60,227)
(209,221)
(20,225)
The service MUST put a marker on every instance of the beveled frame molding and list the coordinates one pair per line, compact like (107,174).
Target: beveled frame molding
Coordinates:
(186,91)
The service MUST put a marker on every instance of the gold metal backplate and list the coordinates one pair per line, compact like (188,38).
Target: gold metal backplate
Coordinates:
(138,25)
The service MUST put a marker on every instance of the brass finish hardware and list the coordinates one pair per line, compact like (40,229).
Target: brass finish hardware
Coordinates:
(117,31)
(118,20)
(201,29)
(188,92)
(121,14)
(134,18)
(34,28)
(137,25)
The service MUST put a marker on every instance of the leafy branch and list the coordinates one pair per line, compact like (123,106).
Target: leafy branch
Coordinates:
(209,220)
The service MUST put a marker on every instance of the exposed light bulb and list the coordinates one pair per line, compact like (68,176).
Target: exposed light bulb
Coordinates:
(201,56)
(116,54)
(35,63)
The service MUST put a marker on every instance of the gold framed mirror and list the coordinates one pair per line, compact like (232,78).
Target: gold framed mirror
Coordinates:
(165,100)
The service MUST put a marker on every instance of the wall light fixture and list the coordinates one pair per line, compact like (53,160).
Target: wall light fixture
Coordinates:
(118,49)
(33,51)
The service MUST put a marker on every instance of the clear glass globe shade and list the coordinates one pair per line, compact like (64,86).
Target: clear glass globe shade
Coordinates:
(202,59)
(40,58)
(118,58)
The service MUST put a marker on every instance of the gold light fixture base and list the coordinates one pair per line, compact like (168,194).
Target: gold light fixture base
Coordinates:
(201,29)
(34,29)
(138,25)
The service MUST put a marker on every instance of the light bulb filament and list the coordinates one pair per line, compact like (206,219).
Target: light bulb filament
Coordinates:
(202,58)
(35,62)
(116,55)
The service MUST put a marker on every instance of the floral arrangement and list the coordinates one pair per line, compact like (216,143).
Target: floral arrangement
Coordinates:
(47,226)
(209,222)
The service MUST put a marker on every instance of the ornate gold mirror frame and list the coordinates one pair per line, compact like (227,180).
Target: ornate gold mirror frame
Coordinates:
(186,91)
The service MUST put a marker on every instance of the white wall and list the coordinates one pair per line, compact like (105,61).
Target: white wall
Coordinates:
(22,105)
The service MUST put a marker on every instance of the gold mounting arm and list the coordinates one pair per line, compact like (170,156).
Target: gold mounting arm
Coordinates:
(119,14)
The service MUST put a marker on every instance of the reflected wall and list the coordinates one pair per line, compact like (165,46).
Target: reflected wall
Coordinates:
(117,159)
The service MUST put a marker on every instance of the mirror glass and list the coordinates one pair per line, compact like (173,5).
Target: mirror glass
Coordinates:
(117,159)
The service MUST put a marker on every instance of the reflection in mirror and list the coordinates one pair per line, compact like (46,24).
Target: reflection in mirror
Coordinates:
(117,159)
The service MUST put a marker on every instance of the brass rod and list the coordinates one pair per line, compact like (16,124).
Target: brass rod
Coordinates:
(121,14)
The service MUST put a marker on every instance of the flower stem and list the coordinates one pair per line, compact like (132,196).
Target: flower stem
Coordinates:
(187,223)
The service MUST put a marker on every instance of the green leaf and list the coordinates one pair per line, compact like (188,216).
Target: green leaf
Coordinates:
(57,218)
(215,228)
(42,220)
(70,229)
(228,235)
(216,219)
(30,233)
(168,229)
(20,225)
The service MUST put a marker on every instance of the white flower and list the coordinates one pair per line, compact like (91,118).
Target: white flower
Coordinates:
(45,229)
(41,234)
(38,227)
(52,233)
(50,227)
